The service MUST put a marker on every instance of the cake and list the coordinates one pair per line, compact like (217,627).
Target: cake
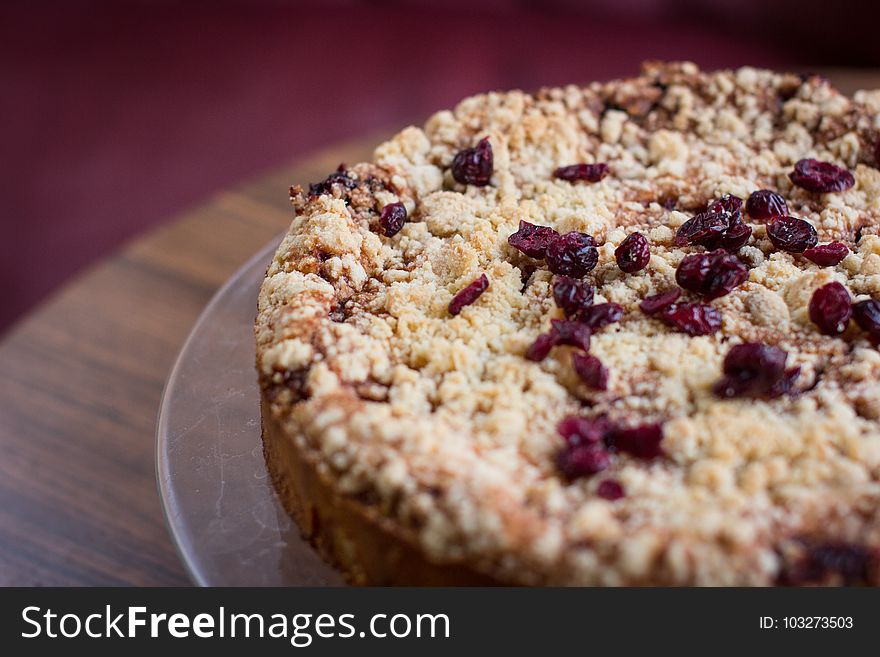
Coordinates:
(620,334)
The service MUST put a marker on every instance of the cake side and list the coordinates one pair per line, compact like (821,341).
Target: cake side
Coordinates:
(350,534)
(442,432)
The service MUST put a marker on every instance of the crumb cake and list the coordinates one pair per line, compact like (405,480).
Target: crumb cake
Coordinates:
(620,334)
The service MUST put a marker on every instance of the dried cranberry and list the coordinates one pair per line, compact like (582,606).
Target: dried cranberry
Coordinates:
(588,172)
(792,235)
(831,308)
(581,430)
(867,316)
(600,315)
(392,218)
(473,166)
(572,254)
(701,227)
(641,441)
(731,240)
(765,205)
(850,563)
(582,461)
(467,295)
(633,253)
(610,489)
(877,153)
(692,318)
(756,360)
(708,227)
(754,369)
(584,454)
(532,240)
(590,370)
(713,274)
(338,177)
(657,302)
(816,176)
(786,384)
(540,348)
(827,255)
(728,204)
(297,381)
(571,295)
(574,334)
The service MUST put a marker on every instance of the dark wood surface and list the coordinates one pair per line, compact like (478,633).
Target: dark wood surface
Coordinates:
(81,380)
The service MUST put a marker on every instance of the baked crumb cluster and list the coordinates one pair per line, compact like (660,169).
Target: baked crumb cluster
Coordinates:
(398,325)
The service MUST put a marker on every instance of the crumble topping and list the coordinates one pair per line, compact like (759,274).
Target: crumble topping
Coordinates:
(447,425)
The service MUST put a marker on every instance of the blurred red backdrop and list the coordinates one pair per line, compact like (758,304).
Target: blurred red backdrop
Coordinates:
(115,116)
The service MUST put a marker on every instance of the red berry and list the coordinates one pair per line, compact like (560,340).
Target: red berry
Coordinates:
(641,441)
(712,274)
(733,239)
(600,315)
(633,253)
(765,205)
(816,176)
(755,369)
(699,228)
(707,227)
(610,489)
(582,461)
(737,232)
(831,308)
(851,564)
(297,381)
(532,240)
(785,385)
(468,295)
(657,302)
(474,166)
(339,177)
(867,316)
(574,334)
(584,454)
(827,255)
(562,331)
(710,228)
(792,235)
(590,370)
(587,172)
(540,348)
(728,203)
(572,254)
(691,318)
(392,218)
(581,430)
(571,295)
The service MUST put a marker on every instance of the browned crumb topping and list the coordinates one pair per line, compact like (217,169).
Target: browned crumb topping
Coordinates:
(442,423)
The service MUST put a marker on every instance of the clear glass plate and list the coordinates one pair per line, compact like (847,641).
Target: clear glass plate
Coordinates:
(222,510)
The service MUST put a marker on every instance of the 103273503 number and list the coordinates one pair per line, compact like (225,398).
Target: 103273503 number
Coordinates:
(817,622)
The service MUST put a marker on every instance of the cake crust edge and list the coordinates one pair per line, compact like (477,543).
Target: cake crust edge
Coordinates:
(365,546)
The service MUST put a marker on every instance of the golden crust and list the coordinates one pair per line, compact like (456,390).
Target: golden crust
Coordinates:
(445,436)
(365,545)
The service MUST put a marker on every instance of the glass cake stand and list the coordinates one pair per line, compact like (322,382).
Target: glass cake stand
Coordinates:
(221,508)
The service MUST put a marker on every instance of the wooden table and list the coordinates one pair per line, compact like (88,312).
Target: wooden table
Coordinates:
(81,379)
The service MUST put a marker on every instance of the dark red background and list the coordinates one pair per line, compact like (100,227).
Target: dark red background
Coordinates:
(115,116)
